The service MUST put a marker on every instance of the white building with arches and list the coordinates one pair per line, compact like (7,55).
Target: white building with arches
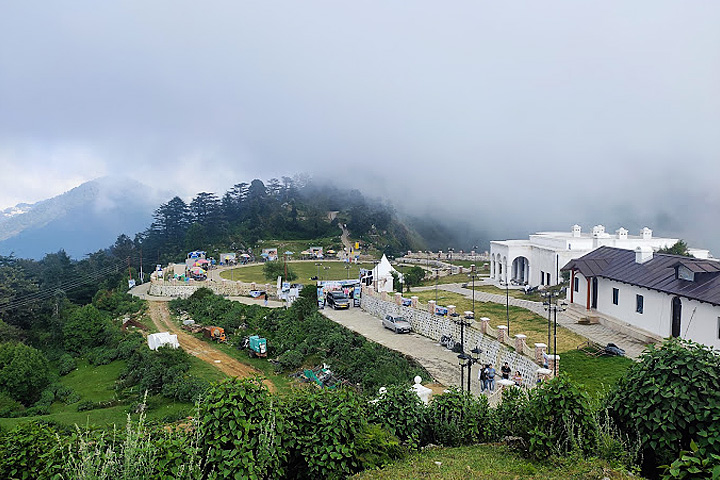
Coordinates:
(538,260)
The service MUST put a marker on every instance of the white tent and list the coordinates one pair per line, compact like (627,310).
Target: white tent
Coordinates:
(157,340)
(382,276)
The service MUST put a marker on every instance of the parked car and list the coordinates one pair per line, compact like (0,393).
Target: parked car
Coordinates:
(396,324)
(337,300)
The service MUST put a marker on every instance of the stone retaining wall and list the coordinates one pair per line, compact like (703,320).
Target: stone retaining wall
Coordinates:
(176,289)
(433,326)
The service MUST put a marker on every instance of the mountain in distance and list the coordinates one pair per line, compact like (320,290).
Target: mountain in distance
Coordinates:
(83,220)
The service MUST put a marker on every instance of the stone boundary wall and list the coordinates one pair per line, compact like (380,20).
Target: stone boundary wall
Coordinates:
(226,288)
(434,326)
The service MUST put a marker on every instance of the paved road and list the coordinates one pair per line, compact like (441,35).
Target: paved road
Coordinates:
(597,333)
(440,362)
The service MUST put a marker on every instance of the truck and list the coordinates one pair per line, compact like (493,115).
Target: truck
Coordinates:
(215,333)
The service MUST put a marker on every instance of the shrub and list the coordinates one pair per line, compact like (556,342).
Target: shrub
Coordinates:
(323,429)
(24,372)
(66,364)
(511,413)
(696,464)
(30,451)
(290,360)
(668,399)
(456,418)
(241,432)
(376,447)
(401,412)
(560,419)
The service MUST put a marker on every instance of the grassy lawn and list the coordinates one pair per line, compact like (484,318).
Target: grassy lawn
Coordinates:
(160,410)
(597,374)
(488,462)
(94,384)
(521,320)
(329,270)
(204,370)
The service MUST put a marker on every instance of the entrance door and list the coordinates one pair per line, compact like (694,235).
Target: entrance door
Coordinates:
(593,298)
(676,315)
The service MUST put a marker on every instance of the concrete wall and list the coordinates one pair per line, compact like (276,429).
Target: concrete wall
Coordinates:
(433,326)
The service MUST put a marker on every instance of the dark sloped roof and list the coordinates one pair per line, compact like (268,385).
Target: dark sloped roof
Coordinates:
(657,273)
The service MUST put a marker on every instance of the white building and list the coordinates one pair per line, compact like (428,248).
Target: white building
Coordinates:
(538,260)
(649,295)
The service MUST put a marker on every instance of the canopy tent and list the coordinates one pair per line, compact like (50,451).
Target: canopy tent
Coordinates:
(197,271)
(156,340)
(201,261)
(382,275)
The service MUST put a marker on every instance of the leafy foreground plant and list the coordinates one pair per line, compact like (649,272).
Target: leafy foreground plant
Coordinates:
(669,399)
(560,419)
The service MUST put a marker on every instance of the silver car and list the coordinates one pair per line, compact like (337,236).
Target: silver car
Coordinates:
(396,324)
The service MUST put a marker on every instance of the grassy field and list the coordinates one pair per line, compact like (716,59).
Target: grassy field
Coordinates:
(328,270)
(95,384)
(489,462)
(597,374)
(521,320)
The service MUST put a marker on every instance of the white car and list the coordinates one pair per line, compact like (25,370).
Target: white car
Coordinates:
(397,324)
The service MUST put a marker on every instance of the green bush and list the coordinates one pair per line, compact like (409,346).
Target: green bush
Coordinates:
(668,399)
(456,418)
(401,412)
(290,360)
(30,451)
(323,429)
(242,433)
(24,372)
(376,447)
(696,464)
(66,364)
(511,413)
(560,419)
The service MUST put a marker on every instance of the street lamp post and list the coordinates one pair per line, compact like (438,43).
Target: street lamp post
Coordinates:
(437,275)
(507,305)
(347,271)
(472,274)
(552,307)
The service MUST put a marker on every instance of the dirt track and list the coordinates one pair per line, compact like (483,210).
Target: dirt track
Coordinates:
(204,351)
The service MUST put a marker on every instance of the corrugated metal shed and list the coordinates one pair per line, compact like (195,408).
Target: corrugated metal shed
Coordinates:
(658,273)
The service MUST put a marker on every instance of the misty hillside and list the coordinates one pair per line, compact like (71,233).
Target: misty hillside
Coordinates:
(83,220)
(287,209)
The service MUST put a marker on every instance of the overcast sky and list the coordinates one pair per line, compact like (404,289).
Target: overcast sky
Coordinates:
(517,116)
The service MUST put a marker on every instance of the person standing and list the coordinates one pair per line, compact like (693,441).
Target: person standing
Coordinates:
(482,378)
(505,371)
(265,300)
(491,378)
(517,378)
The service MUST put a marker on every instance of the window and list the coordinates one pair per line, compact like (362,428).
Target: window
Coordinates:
(616,296)
(542,277)
(576,286)
(718,327)
(639,303)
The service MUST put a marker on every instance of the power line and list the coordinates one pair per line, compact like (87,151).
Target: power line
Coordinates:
(71,284)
